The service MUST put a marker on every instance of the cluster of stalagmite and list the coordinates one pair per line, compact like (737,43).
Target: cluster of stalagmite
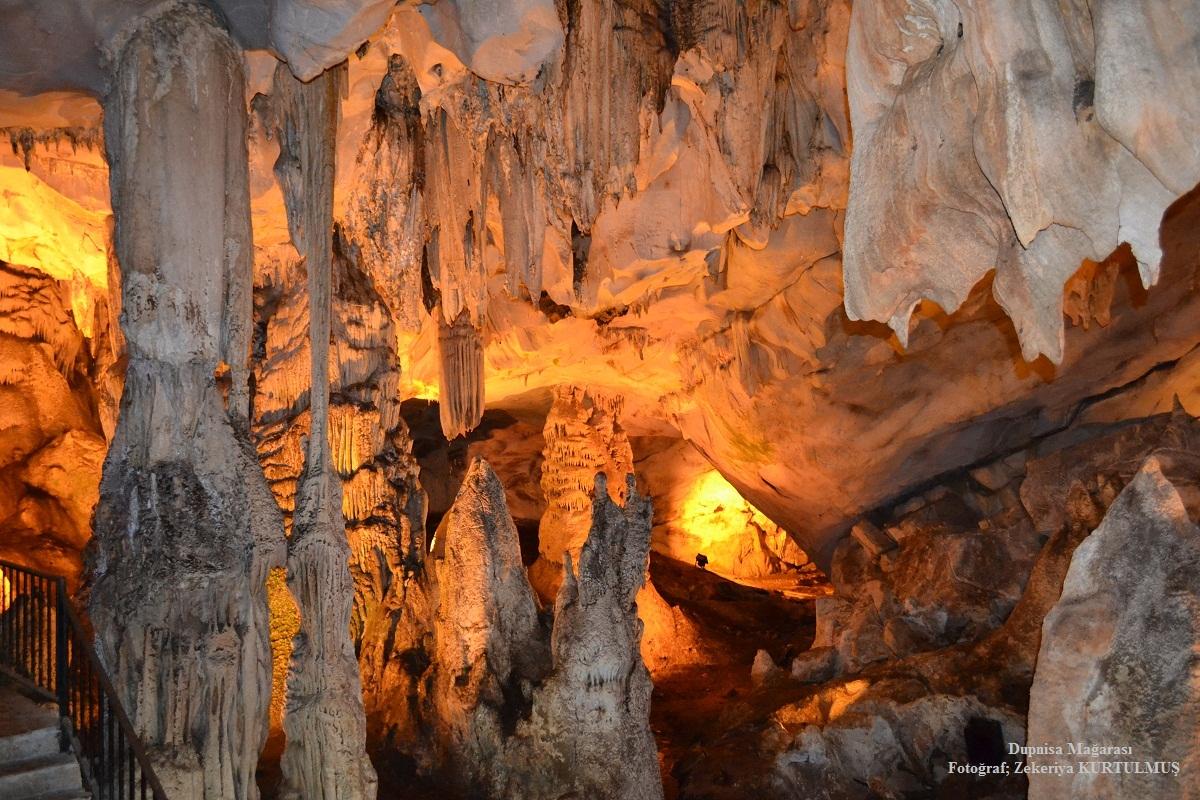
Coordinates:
(525,710)
(186,528)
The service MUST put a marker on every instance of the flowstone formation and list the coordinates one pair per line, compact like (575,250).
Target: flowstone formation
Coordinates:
(1117,661)
(185,529)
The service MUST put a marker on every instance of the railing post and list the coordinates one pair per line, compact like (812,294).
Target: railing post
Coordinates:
(61,664)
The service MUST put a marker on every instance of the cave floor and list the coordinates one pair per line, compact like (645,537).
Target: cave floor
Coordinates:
(696,707)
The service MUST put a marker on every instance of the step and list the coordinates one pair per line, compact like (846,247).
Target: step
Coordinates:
(35,777)
(70,794)
(30,744)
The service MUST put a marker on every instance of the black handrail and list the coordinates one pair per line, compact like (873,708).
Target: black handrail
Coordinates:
(45,645)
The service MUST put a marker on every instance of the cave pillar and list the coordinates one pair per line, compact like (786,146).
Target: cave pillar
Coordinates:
(185,528)
(325,756)
(583,438)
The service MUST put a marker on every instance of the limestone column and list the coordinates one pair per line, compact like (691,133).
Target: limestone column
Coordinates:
(583,438)
(325,756)
(186,528)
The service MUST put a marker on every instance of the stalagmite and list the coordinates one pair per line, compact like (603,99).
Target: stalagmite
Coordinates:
(185,529)
(325,757)
(490,648)
(589,732)
(1117,664)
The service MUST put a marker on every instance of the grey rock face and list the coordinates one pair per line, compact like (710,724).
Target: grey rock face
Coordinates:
(1117,665)
(490,648)
(186,528)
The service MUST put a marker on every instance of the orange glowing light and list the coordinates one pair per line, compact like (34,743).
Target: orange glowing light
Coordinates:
(717,521)
(6,593)
(50,232)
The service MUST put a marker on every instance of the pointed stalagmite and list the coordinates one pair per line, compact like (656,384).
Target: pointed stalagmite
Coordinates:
(185,529)
(325,756)
(589,728)
(489,646)
(1117,664)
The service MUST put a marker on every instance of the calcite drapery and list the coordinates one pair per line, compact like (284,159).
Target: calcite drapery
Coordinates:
(1050,146)
(460,350)
(185,529)
(325,756)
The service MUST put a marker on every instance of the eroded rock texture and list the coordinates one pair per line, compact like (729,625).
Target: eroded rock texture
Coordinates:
(1022,138)
(490,647)
(889,728)
(1116,664)
(649,201)
(186,528)
(325,756)
(483,691)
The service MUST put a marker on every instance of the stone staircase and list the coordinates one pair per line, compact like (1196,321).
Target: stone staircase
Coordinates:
(32,766)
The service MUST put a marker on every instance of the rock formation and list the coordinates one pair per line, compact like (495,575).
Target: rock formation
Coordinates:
(1116,665)
(185,528)
(50,431)
(706,213)
(687,257)
(483,691)
(325,756)
(588,732)
(583,438)
(1029,170)
(490,648)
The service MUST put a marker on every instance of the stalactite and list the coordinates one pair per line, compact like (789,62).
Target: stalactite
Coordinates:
(325,756)
(616,65)
(461,354)
(185,530)
(455,214)
(386,219)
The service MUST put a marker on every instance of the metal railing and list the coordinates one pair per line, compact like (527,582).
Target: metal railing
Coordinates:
(44,644)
